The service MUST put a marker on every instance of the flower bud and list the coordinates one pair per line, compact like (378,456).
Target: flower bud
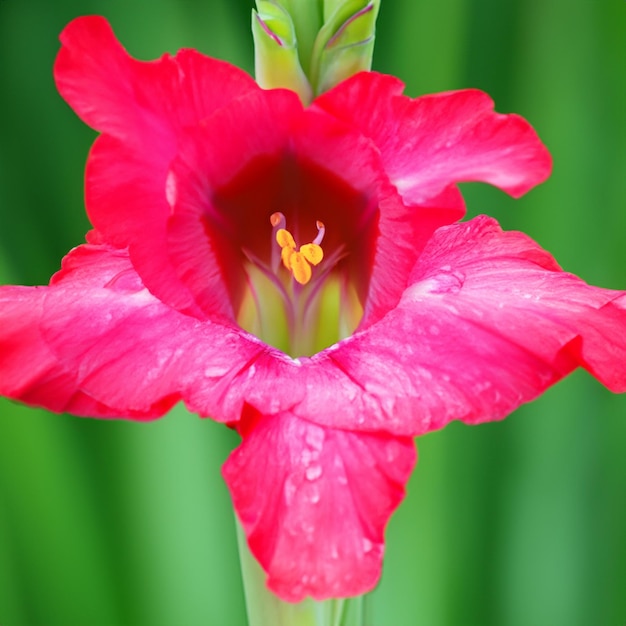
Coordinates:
(276,61)
(345,43)
(309,46)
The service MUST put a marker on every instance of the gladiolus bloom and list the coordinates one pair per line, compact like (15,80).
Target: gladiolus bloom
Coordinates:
(231,224)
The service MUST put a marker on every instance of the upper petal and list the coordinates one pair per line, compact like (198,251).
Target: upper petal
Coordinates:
(143,109)
(433,141)
(130,99)
(314,503)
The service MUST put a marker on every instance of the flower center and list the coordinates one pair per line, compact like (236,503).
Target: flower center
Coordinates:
(294,243)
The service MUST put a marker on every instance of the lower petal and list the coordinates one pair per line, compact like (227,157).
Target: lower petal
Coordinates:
(314,502)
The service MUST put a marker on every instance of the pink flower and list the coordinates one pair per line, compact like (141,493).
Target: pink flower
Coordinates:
(213,202)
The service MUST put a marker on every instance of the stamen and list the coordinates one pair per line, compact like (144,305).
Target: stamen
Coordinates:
(298,262)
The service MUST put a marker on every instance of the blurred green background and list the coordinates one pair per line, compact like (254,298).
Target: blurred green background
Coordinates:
(517,523)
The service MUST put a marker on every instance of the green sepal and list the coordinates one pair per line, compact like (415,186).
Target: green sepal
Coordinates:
(276,60)
(345,44)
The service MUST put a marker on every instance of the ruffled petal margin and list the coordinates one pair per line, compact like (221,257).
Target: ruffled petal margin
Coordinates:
(314,503)
(132,100)
(430,142)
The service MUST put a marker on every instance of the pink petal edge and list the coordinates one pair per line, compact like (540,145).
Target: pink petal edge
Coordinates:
(430,142)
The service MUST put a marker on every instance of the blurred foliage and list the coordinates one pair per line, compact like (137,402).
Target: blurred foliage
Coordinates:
(509,524)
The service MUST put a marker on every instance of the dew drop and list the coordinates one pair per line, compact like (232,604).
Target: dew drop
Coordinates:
(315,437)
(314,495)
(306,457)
(313,472)
(289,490)
(171,189)
(215,371)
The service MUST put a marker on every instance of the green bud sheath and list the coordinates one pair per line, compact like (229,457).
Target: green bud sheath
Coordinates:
(276,60)
(345,44)
(309,46)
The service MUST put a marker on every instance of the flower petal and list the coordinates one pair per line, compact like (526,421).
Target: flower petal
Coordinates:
(144,109)
(126,200)
(488,323)
(433,141)
(129,350)
(402,235)
(29,371)
(314,503)
(130,99)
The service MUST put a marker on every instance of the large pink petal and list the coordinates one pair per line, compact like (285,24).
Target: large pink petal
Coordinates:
(144,109)
(489,322)
(314,503)
(126,201)
(433,141)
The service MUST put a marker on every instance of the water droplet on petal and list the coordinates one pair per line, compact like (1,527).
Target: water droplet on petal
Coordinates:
(315,437)
(313,472)
(215,371)
(314,494)
(289,490)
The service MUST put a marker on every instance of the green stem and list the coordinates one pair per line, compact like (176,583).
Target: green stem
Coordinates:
(266,609)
